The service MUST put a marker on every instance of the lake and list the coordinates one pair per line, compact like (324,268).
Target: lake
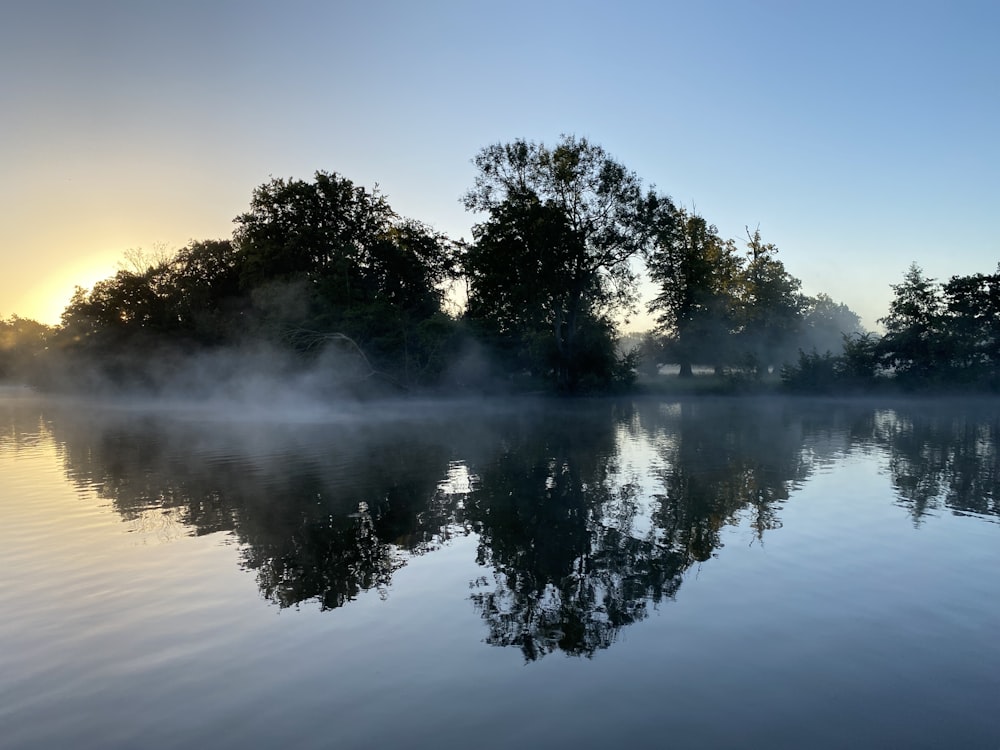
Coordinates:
(580,573)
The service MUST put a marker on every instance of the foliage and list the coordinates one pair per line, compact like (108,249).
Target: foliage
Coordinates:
(23,343)
(353,267)
(972,312)
(770,308)
(825,323)
(943,335)
(551,262)
(744,315)
(551,269)
(697,273)
(913,347)
(322,256)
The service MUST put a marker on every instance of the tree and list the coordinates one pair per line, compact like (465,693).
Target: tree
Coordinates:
(22,344)
(826,323)
(914,328)
(345,240)
(972,305)
(771,307)
(136,302)
(696,271)
(552,261)
(205,289)
(332,257)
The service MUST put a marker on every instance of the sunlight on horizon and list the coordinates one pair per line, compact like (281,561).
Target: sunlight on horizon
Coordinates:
(48,299)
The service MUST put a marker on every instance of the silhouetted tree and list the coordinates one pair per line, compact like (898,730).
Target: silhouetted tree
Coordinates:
(697,273)
(914,345)
(333,257)
(571,219)
(972,310)
(770,308)
(206,295)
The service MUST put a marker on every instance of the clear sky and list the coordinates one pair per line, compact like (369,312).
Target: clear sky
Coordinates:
(860,137)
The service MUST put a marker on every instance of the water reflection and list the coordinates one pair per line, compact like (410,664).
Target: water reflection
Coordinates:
(943,458)
(569,568)
(586,514)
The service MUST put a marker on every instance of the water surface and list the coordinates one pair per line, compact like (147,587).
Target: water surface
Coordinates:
(727,573)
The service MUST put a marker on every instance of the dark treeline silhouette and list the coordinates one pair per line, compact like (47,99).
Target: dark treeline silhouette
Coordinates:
(323,278)
(937,336)
(575,542)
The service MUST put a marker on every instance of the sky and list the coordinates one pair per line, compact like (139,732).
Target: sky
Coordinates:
(859,137)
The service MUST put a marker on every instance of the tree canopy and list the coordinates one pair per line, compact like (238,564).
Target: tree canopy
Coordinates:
(562,233)
(697,274)
(552,262)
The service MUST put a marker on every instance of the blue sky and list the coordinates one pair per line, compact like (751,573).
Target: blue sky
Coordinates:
(860,137)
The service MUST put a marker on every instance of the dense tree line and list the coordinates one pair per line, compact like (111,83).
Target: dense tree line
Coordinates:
(323,271)
(311,266)
(937,336)
(23,344)
(733,311)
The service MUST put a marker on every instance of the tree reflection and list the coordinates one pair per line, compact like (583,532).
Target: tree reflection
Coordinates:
(943,457)
(587,514)
(721,460)
(321,513)
(570,570)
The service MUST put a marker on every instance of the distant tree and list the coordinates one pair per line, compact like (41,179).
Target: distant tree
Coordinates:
(914,345)
(650,348)
(770,307)
(552,261)
(860,359)
(23,343)
(825,323)
(972,310)
(697,273)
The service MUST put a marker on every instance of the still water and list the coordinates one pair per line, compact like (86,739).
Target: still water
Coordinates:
(692,574)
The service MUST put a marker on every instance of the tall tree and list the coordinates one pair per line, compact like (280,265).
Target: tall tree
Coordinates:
(914,328)
(330,256)
(972,305)
(697,273)
(771,307)
(554,253)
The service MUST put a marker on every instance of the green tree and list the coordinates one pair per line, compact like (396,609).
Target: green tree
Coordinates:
(770,307)
(972,305)
(328,256)
(914,342)
(551,263)
(696,271)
